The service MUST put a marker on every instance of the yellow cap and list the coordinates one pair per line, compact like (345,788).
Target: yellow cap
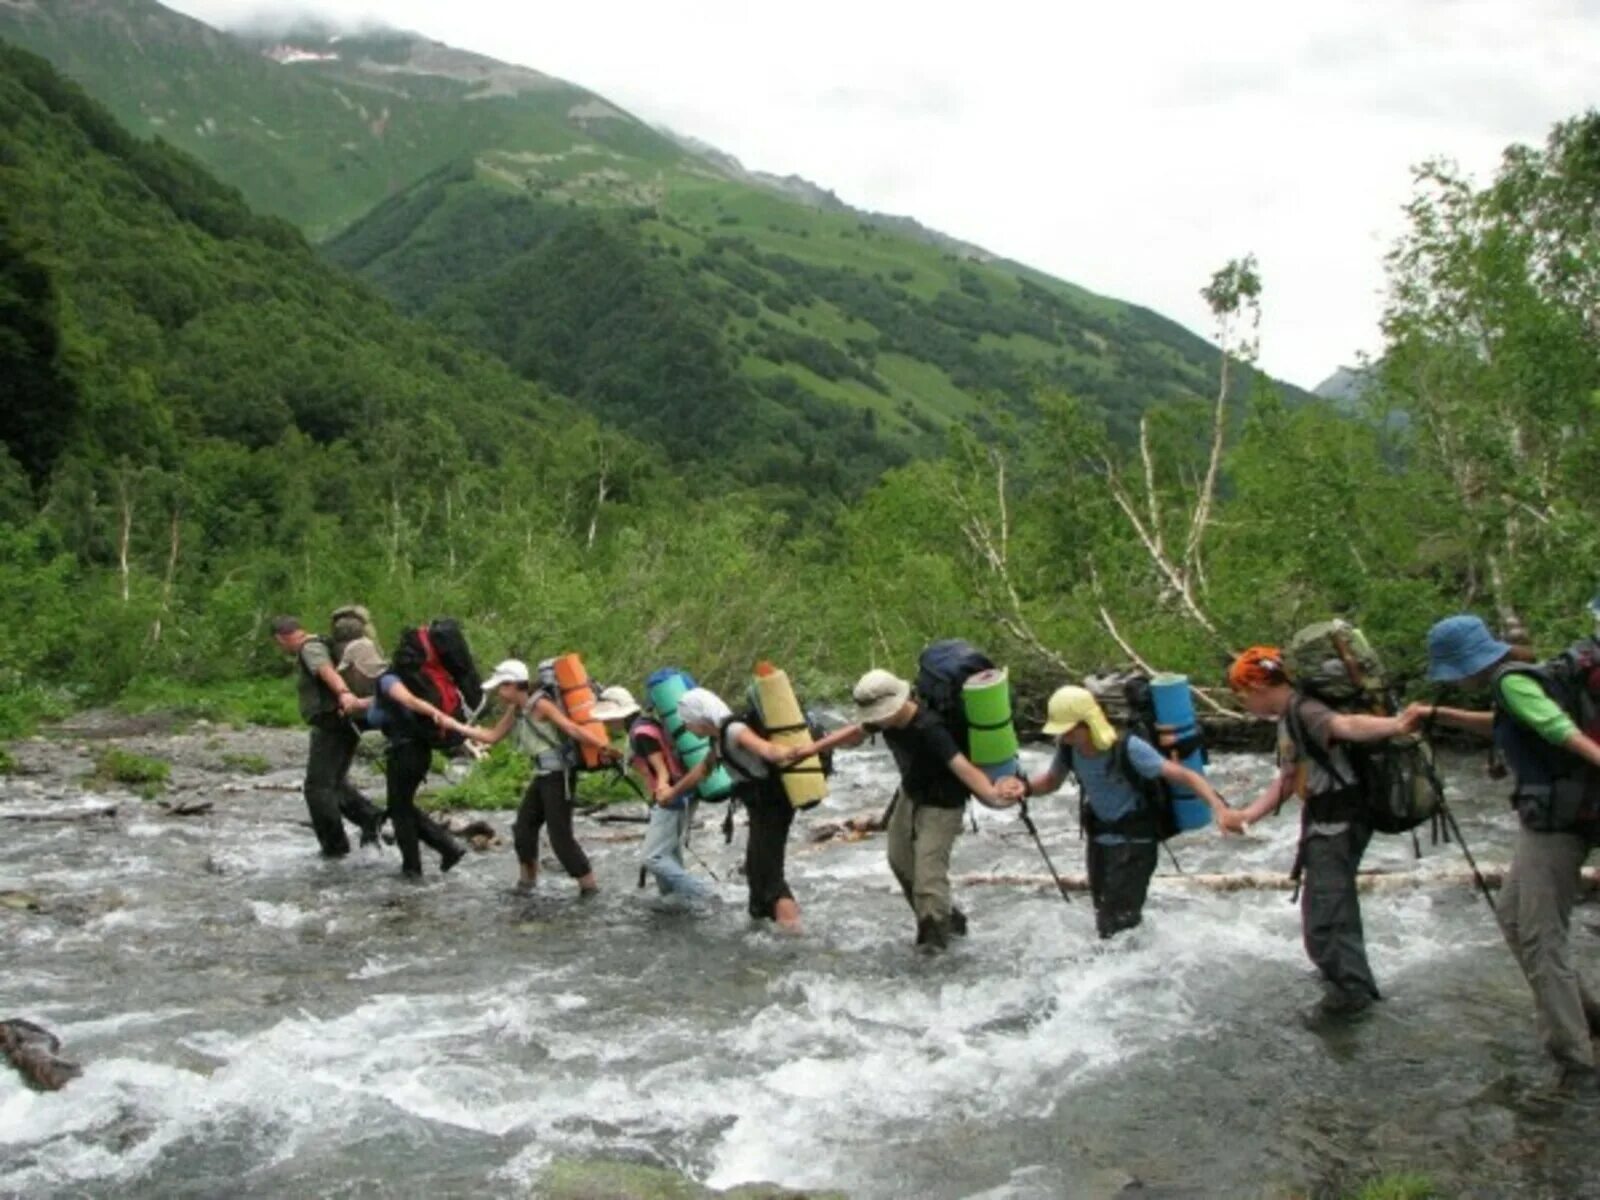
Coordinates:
(1074,706)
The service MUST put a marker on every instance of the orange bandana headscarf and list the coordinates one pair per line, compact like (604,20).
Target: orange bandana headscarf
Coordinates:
(1257,667)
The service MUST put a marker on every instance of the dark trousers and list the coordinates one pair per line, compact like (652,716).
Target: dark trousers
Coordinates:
(548,803)
(1119,881)
(407,766)
(771,814)
(1330,914)
(329,793)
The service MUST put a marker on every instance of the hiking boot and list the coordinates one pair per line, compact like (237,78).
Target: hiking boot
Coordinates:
(450,857)
(958,923)
(1578,1083)
(372,830)
(1337,1008)
(931,936)
(411,874)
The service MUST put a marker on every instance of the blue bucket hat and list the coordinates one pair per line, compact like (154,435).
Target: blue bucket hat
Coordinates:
(1461,646)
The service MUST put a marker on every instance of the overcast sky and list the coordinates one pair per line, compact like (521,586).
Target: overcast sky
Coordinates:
(1129,148)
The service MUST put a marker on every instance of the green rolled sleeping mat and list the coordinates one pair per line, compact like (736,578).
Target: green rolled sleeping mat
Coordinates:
(992,742)
(665,688)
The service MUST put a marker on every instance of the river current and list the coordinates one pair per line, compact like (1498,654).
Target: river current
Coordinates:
(254,1021)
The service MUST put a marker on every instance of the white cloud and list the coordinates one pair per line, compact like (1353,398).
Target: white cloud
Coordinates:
(1131,149)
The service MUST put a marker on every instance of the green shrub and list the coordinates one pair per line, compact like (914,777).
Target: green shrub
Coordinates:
(495,782)
(249,764)
(242,702)
(146,776)
(1403,1186)
(8,762)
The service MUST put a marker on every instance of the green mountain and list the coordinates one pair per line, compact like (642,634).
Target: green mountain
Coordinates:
(724,314)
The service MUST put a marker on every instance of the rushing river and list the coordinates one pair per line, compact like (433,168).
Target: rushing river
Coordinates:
(254,1021)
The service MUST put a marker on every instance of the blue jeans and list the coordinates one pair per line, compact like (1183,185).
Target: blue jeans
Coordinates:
(663,852)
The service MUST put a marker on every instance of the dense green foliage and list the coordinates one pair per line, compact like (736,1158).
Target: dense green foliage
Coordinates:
(212,424)
(800,350)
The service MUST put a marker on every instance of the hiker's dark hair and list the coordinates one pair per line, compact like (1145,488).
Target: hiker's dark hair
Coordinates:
(284,626)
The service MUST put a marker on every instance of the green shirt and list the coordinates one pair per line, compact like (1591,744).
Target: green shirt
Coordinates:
(1532,706)
(316,699)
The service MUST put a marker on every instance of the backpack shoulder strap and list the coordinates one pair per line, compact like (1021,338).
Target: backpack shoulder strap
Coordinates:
(1307,745)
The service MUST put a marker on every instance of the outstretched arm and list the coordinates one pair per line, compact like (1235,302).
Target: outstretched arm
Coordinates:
(1270,800)
(406,698)
(492,734)
(1176,773)
(980,785)
(546,709)
(848,735)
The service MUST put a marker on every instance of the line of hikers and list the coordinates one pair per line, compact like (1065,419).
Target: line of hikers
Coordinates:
(1358,761)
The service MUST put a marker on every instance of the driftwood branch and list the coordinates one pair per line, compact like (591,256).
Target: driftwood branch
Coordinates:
(1265,881)
(78,814)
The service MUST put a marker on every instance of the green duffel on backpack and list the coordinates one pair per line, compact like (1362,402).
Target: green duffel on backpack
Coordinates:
(1333,662)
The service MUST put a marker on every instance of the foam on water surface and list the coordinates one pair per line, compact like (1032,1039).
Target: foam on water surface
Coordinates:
(250,1015)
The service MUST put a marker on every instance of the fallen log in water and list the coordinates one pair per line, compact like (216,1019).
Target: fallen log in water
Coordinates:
(75,814)
(188,808)
(1265,881)
(31,1049)
(851,829)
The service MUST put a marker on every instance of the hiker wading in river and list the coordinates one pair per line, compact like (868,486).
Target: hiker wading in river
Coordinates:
(1116,777)
(532,713)
(328,705)
(1557,801)
(936,778)
(1333,835)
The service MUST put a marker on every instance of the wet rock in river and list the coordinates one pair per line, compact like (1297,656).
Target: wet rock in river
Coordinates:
(591,1180)
(32,1050)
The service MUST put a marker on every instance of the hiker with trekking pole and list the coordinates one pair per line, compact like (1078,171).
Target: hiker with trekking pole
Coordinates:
(1125,807)
(1545,722)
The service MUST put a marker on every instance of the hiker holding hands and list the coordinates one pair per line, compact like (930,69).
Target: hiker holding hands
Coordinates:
(532,712)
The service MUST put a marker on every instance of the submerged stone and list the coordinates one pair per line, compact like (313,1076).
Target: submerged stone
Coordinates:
(602,1180)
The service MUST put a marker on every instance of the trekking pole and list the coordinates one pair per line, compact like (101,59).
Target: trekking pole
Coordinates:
(1022,811)
(1176,865)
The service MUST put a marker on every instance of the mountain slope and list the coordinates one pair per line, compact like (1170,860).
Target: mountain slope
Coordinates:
(148,312)
(317,140)
(734,317)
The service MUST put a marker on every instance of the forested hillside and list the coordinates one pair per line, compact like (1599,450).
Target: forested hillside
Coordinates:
(207,423)
(758,328)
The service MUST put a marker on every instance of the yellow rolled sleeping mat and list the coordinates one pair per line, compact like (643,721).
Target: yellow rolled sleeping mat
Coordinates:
(786,725)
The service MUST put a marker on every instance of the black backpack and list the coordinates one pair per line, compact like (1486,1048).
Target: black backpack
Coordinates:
(942,670)
(435,663)
(1156,817)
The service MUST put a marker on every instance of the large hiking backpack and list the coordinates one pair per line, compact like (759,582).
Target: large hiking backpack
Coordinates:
(1156,816)
(1575,674)
(1395,788)
(942,671)
(1570,798)
(434,662)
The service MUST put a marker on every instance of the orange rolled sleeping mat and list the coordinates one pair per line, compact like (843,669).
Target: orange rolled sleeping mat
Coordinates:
(578,699)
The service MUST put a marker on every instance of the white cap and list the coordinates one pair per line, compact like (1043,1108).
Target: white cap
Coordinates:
(615,704)
(512,670)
